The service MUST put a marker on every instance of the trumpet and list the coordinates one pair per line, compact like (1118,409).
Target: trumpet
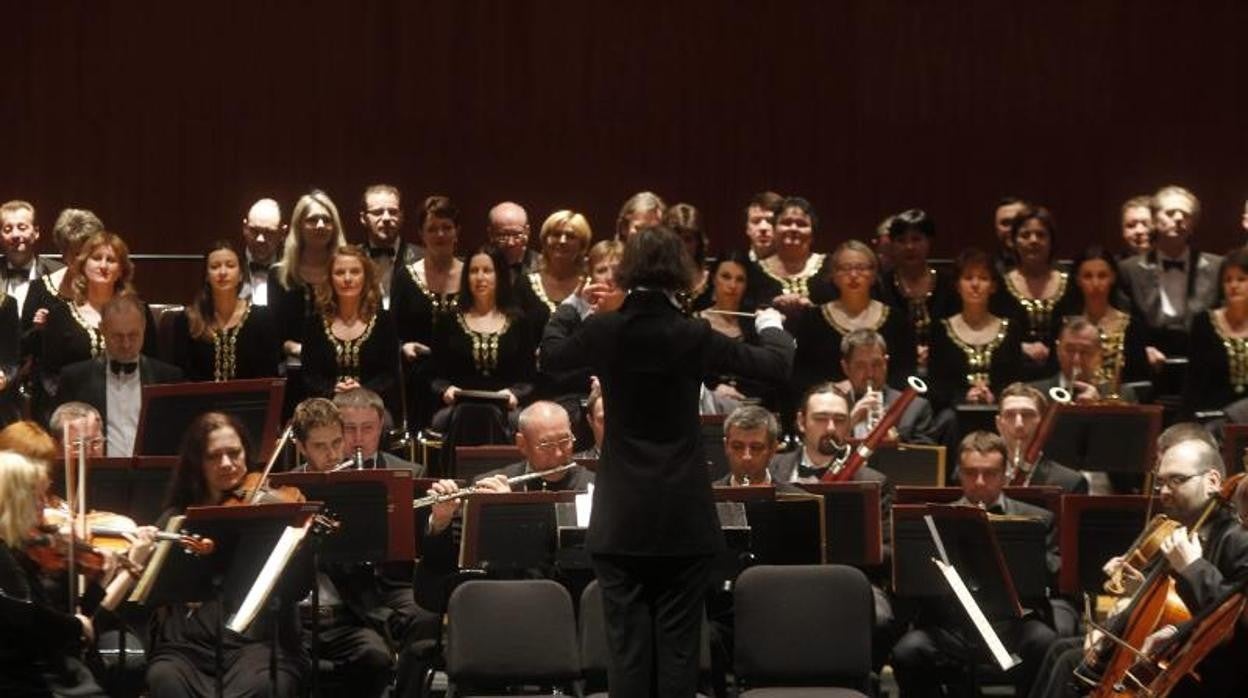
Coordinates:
(441,498)
(356,462)
(877,411)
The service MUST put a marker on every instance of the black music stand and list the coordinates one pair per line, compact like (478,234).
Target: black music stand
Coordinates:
(764,527)
(1094,529)
(971,547)
(852,521)
(512,532)
(169,409)
(1090,437)
(244,538)
(373,506)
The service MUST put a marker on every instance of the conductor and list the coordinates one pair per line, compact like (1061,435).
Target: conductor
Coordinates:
(654,528)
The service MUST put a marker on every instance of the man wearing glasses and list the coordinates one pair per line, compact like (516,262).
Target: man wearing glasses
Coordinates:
(545,439)
(508,228)
(1205,565)
(264,233)
(77,421)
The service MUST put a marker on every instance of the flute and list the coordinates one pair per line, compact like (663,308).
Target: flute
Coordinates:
(440,498)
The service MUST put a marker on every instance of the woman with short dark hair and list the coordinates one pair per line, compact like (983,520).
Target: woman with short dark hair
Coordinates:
(1218,345)
(1035,287)
(794,277)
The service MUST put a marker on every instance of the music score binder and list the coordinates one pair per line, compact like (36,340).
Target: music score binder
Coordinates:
(167,411)
(373,506)
(511,531)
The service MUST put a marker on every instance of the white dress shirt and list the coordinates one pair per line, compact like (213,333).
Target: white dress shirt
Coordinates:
(1173,286)
(19,285)
(123,397)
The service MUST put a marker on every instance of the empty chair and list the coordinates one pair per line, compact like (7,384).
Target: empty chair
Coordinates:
(502,635)
(803,630)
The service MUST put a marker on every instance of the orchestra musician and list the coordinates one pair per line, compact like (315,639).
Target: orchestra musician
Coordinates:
(544,438)
(181,659)
(363,419)
(1022,407)
(1203,566)
(1079,365)
(942,641)
(866,363)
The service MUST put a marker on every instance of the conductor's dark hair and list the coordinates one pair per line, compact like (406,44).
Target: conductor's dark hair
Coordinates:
(656,258)
(189,487)
(912,219)
(798,202)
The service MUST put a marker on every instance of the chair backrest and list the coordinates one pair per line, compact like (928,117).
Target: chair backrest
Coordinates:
(473,424)
(471,461)
(803,625)
(511,632)
(166,317)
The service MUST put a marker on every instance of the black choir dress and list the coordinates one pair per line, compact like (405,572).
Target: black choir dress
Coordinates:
(290,307)
(372,359)
(924,313)
(473,360)
(1218,372)
(417,311)
(819,334)
(766,393)
(955,364)
(10,358)
(814,282)
(250,349)
(1040,320)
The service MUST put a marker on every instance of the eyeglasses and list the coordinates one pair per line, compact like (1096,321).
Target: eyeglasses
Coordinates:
(556,444)
(1174,482)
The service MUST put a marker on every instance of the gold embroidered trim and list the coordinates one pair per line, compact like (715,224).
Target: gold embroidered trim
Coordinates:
(1236,356)
(826,310)
(484,345)
(94,337)
(347,351)
(225,349)
(442,302)
(798,284)
(978,356)
(1039,310)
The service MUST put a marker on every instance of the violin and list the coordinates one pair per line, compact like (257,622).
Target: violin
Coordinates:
(48,548)
(255,489)
(111,532)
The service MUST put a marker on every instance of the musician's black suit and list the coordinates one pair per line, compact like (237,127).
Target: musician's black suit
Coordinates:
(87,381)
(654,526)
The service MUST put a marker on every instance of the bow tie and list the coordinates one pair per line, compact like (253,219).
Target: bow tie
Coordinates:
(996,509)
(17,272)
(376,252)
(804,471)
(120,367)
(1175,264)
(257,267)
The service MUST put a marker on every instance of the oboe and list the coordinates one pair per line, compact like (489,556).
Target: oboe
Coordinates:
(440,498)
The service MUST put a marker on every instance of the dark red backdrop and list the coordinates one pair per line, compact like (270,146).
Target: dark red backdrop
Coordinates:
(168,118)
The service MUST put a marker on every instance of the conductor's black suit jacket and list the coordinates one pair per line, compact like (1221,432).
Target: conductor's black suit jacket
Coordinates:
(652,493)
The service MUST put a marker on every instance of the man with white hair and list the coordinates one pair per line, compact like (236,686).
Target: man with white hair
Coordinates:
(264,232)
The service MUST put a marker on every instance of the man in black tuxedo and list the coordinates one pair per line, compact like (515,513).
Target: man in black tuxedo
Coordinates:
(545,439)
(18,235)
(942,641)
(1017,422)
(381,214)
(363,418)
(113,382)
(264,234)
(1079,365)
(864,359)
(654,529)
(1205,565)
(1173,282)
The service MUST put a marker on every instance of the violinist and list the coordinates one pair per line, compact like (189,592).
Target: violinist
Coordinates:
(368,619)
(942,642)
(46,661)
(1021,409)
(1204,565)
(181,662)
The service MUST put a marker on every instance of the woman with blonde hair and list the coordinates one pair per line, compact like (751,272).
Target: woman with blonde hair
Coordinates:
(350,342)
(315,232)
(101,271)
(564,239)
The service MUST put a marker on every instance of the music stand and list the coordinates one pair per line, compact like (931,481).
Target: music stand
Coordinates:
(1046,496)
(852,521)
(971,547)
(373,506)
(511,532)
(472,462)
(169,409)
(1094,529)
(972,417)
(762,526)
(1089,437)
(911,464)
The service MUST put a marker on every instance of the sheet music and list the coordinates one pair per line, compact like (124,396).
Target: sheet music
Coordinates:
(267,579)
(584,507)
(1002,656)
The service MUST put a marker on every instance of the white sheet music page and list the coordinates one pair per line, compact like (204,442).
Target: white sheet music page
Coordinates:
(267,579)
(999,653)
